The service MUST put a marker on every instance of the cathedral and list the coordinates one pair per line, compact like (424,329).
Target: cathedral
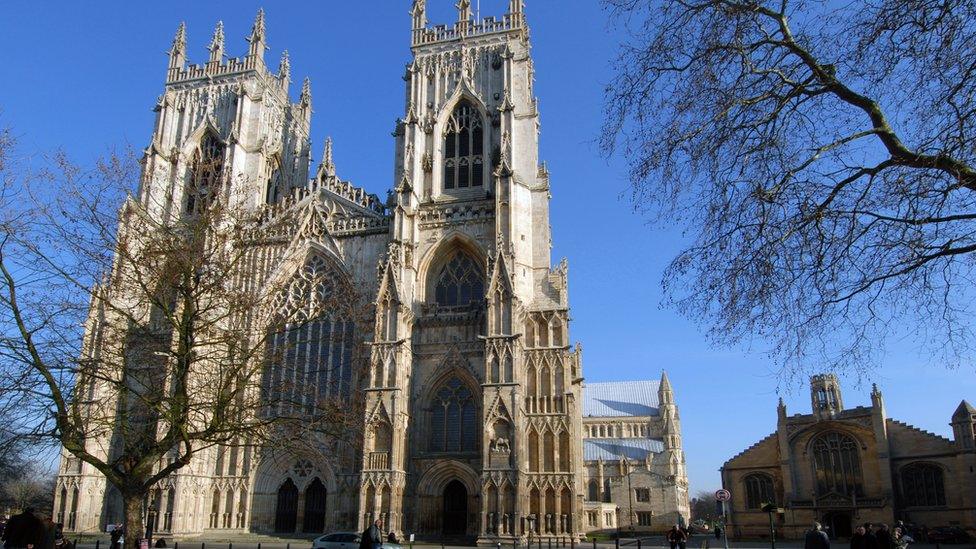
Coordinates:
(847,466)
(477,422)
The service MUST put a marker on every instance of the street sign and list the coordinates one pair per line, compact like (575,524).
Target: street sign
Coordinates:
(723,495)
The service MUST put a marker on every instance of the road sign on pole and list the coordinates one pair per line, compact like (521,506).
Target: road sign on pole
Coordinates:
(723,495)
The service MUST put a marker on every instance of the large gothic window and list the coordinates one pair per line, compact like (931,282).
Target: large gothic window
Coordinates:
(759,490)
(464,137)
(922,485)
(309,357)
(460,281)
(837,464)
(205,170)
(453,419)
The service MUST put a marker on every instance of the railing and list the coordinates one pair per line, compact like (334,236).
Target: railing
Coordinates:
(461,29)
(378,460)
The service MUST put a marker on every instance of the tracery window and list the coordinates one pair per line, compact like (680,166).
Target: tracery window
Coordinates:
(759,490)
(274,190)
(460,282)
(837,464)
(309,358)
(922,485)
(454,423)
(464,164)
(205,170)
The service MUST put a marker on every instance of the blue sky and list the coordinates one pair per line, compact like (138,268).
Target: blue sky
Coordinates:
(84,76)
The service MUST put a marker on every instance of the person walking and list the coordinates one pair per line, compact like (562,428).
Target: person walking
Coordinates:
(883,534)
(677,537)
(372,537)
(24,531)
(859,539)
(117,536)
(816,538)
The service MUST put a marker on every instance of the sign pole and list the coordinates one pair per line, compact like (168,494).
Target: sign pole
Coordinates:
(725,525)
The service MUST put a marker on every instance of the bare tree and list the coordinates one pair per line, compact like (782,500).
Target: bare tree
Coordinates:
(30,486)
(820,155)
(136,338)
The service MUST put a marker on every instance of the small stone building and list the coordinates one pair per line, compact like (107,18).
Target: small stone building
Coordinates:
(633,465)
(844,467)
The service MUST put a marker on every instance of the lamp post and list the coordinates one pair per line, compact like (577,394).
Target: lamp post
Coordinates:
(770,508)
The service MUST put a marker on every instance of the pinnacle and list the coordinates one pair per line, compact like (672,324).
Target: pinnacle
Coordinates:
(217,42)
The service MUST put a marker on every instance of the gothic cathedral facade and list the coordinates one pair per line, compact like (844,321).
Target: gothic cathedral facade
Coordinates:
(473,394)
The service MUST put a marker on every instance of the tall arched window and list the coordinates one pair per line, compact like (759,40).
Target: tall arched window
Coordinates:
(464,136)
(205,170)
(460,282)
(759,490)
(593,491)
(454,423)
(837,464)
(274,183)
(922,485)
(309,358)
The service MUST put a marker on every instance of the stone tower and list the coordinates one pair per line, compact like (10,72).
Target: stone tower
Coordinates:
(470,218)
(825,396)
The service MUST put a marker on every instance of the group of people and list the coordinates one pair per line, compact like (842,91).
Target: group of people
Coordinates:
(372,536)
(678,537)
(29,531)
(868,536)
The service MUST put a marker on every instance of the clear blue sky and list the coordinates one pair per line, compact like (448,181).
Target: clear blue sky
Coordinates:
(85,75)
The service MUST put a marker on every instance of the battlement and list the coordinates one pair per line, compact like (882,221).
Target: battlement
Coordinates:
(464,29)
(230,66)
(467,24)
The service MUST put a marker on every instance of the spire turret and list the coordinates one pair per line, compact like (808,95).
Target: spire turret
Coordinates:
(665,394)
(305,100)
(419,14)
(177,53)
(217,44)
(328,164)
(284,67)
(516,7)
(257,38)
(825,396)
(464,10)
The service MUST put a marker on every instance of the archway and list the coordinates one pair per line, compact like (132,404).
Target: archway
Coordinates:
(838,524)
(315,497)
(286,510)
(455,510)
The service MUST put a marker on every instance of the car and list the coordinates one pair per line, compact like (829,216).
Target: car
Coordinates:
(337,540)
(947,534)
(344,540)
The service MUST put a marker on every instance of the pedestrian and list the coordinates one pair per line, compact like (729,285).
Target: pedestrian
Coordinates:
(677,537)
(859,539)
(50,534)
(118,535)
(870,539)
(718,532)
(23,531)
(816,538)
(884,537)
(372,537)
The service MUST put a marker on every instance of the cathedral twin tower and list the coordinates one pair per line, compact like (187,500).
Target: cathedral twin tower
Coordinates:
(472,394)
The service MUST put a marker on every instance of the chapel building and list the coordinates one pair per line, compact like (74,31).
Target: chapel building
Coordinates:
(473,395)
(846,466)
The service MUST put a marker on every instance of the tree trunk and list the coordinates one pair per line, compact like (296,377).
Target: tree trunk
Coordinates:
(135,528)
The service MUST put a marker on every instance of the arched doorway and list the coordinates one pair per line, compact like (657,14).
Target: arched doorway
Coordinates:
(838,524)
(455,512)
(286,509)
(315,495)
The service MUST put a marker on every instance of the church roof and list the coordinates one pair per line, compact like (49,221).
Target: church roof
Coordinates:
(620,398)
(964,411)
(612,449)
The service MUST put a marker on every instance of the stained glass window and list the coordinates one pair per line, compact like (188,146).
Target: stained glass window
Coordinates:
(922,485)
(454,423)
(759,490)
(464,148)
(837,464)
(207,165)
(460,282)
(310,357)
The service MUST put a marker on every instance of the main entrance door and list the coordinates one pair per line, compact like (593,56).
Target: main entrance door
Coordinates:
(286,509)
(838,524)
(455,510)
(315,495)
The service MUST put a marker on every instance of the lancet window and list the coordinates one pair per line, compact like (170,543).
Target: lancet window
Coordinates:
(453,419)
(273,181)
(464,136)
(205,171)
(922,485)
(460,282)
(309,356)
(759,490)
(837,464)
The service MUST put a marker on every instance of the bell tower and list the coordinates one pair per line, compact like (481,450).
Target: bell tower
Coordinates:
(225,128)
(825,396)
